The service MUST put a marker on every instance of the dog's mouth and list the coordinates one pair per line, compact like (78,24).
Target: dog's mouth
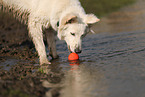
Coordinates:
(76,51)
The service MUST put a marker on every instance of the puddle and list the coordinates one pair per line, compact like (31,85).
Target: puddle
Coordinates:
(112,65)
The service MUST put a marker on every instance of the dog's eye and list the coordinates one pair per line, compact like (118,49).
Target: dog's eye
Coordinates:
(73,34)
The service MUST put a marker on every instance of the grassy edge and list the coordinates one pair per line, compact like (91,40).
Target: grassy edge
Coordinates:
(104,7)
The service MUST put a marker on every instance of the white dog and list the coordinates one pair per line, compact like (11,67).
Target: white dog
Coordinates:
(66,17)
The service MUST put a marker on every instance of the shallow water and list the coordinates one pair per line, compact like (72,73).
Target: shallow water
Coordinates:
(112,63)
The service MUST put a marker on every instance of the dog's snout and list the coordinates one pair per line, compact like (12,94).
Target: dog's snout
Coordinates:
(78,50)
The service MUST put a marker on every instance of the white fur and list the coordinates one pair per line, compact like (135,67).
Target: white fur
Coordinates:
(41,14)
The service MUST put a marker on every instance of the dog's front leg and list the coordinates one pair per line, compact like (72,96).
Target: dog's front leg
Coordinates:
(35,31)
(50,35)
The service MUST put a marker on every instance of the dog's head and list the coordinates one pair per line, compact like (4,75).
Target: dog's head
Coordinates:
(73,28)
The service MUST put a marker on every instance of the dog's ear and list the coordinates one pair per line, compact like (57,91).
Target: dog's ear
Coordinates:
(69,19)
(91,19)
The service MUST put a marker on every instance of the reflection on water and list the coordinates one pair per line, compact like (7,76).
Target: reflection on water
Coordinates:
(113,62)
(83,82)
(112,65)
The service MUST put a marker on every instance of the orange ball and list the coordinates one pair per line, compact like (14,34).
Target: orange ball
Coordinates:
(73,56)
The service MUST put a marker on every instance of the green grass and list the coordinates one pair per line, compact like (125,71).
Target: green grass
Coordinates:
(104,7)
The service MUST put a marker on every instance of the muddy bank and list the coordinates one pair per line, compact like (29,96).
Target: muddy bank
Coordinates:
(25,80)
(14,40)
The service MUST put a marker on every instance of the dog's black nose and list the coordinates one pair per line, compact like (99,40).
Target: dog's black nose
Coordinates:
(78,51)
